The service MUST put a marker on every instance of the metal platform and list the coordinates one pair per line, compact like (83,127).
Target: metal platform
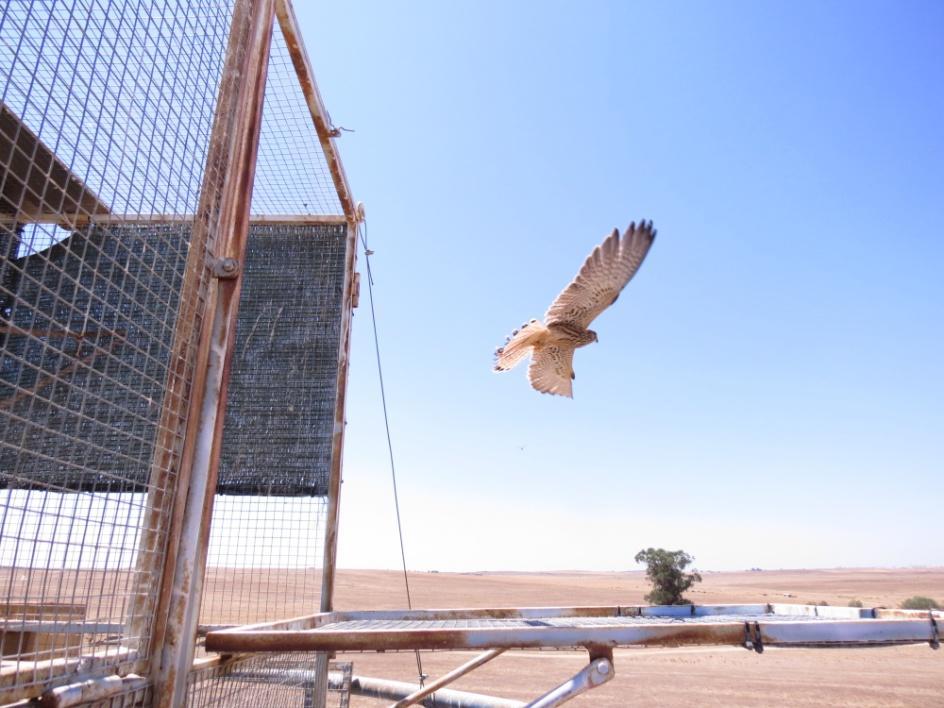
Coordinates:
(754,626)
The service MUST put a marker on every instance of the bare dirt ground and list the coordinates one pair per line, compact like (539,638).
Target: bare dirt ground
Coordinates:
(684,676)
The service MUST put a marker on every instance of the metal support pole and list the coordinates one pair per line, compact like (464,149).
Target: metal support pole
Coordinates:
(181,594)
(596,673)
(445,698)
(337,447)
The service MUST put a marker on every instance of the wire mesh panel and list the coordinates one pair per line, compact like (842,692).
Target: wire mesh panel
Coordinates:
(267,680)
(113,143)
(106,112)
(292,175)
(266,543)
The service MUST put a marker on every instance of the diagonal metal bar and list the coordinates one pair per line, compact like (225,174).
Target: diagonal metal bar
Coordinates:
(446,679)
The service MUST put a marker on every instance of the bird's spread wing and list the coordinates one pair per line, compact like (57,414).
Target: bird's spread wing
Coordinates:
(604,274)
(552,369)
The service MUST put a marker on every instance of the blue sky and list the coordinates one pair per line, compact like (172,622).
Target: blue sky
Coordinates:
(769,391)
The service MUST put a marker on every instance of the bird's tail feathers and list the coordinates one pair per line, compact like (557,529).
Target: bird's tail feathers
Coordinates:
(519,345)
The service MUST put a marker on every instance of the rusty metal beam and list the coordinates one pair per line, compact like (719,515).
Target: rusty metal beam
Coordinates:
(74,221)
(319,114)
(169,476)
(378,631)
(247,70)
(36,179)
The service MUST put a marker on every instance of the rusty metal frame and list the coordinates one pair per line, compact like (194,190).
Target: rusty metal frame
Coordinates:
(169,469)
(173,545)
(224,209)
(742,625)
(75,221)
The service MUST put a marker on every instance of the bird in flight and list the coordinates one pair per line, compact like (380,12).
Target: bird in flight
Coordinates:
(551,345)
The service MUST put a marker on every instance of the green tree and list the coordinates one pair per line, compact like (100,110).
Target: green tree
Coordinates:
(666,571)
(920,602)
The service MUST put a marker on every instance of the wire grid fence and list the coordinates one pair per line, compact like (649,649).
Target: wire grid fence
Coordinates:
(265,557)
(268,680)
(292,175)
(106,109)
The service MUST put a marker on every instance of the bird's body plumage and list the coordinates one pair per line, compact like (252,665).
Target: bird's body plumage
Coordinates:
(607,270)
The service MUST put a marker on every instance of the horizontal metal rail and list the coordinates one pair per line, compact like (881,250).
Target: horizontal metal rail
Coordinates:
(61,627)
(74,221)
(798,625)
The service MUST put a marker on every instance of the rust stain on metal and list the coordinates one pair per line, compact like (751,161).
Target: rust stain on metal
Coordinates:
(431,639)
(176,429)
(224,217)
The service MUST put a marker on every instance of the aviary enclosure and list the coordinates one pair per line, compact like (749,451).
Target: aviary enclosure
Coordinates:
(177,282)
(132,136)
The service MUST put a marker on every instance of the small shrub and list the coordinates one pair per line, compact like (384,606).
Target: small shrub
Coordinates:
(919,602)
(855,603)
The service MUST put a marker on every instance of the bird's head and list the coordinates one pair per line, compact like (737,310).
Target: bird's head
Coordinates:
(593,336)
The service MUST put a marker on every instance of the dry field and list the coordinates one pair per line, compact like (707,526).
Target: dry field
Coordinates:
(685,676)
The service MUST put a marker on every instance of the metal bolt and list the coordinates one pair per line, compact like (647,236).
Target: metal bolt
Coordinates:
(225,267)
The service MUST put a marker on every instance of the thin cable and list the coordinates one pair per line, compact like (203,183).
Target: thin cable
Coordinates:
(393,469)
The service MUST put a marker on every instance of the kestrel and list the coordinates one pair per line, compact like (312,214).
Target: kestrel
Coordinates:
(551,345)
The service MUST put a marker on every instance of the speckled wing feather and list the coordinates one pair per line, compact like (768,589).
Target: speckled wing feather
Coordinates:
(604,274)
(552,369)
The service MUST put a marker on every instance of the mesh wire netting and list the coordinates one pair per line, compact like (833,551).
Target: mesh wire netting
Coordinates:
(106,110)
(288,679)
(266,543)
(292,175)
(283,385)
(265,559)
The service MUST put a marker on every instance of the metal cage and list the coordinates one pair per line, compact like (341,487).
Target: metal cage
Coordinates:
(165,168)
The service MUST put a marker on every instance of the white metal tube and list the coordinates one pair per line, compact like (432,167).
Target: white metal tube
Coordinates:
(598,672)
(445,698)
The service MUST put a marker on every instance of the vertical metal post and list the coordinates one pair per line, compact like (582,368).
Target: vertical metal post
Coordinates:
(168,474)
(337,442)
(337,447)
(180,595)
